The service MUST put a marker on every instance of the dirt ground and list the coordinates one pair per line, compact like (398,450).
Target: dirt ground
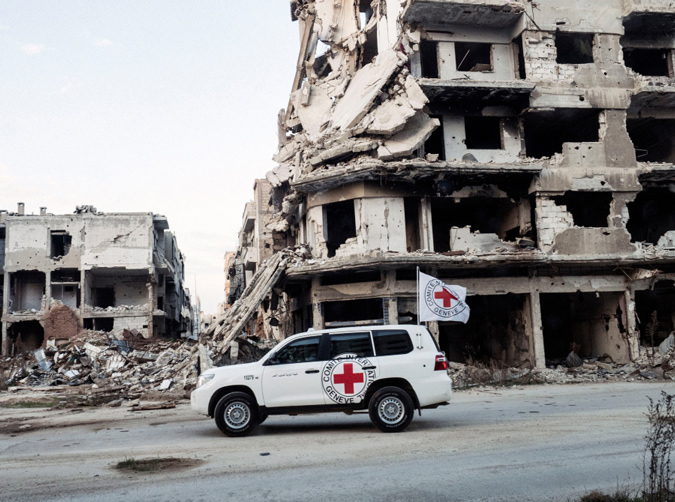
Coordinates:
(24,409)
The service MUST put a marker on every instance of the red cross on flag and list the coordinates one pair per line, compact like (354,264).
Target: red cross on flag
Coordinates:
(437,301)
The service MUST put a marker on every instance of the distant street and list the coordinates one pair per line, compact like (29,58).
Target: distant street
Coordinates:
(526,443)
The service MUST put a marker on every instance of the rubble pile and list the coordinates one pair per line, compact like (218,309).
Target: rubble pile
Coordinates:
(230,325)
(117,366)
(653,364)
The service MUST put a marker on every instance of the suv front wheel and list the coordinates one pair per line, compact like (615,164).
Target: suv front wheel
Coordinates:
(236,414)
(391,409)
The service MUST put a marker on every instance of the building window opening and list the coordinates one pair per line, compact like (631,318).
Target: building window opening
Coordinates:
(25,336)
(365,12)
(104,324)
(351,312)
(574,48)
(655,310)
(651,215)
(411,209)
(545,132)
(26,291)
(487,215)
(652,139)
(429,59)
(588,209)
(520,58)
(369,46)
(435,145)
(471,56)
(60,243)
(340,224)
(496,332)
(649,62)
(104,297)
(483,133)
(590,324)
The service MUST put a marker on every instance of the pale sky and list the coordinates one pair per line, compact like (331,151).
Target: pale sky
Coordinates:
(145,105)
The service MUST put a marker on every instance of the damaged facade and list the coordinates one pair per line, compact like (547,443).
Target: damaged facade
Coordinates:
(521,149)
(89,270)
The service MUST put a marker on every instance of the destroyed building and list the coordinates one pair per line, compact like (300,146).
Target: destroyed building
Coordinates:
(89,270)
(522,149)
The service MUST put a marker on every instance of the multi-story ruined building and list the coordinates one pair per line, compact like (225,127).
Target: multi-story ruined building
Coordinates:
(523,149)
(103,271)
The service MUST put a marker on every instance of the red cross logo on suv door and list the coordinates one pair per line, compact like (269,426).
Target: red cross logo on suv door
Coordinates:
(348,378)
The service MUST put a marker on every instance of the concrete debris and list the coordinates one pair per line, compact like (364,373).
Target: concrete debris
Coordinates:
(667,345)
(405,142)
(231,324)
(573,360)
(364,87)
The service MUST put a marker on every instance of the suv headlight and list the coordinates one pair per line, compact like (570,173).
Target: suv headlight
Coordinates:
(204,378)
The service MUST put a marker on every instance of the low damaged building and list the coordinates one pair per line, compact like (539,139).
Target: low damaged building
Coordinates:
(521,149)
(89,270)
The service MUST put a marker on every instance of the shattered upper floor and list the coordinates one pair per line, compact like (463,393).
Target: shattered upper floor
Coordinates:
(556,118)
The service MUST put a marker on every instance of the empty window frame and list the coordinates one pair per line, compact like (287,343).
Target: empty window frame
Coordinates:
(588,209)
(545,132)
(339,224)
(435,145)
(574,48)
(60,243)
(484,214)
(473,56)
(483,133)
(103,297)
(649,62)
(429,59)
(651,215)
(412,224)
(653,139)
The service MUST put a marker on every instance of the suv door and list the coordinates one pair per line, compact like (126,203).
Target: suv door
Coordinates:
(292,377)
(351,367)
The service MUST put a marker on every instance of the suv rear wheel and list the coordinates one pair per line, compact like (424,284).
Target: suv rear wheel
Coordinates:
(391,409)
(236,414)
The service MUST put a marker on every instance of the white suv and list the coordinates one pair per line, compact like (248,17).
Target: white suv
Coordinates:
(388,370)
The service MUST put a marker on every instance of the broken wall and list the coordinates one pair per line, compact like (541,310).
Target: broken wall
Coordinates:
(115,240)
(497,331)
(591,324)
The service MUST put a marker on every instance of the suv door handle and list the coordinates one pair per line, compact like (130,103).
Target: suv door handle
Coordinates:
(368,367)
(311,371)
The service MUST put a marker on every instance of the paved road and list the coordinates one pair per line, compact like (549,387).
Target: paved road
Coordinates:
(529,443)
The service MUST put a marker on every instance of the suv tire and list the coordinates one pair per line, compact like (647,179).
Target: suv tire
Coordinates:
(236,414)
(391,409)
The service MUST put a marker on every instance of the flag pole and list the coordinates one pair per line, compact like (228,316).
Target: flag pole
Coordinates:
(417,293)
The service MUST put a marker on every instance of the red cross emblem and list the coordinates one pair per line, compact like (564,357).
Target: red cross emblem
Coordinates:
(446,296)
(348,378)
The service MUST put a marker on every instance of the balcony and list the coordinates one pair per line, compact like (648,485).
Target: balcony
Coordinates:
(489,93)
(649,16)
(492,13)
(653,92)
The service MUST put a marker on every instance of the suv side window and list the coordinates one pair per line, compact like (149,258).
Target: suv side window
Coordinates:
(351,343)
(392,342)
(299,351)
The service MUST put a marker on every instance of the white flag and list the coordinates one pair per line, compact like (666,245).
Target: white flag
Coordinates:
(437,301)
